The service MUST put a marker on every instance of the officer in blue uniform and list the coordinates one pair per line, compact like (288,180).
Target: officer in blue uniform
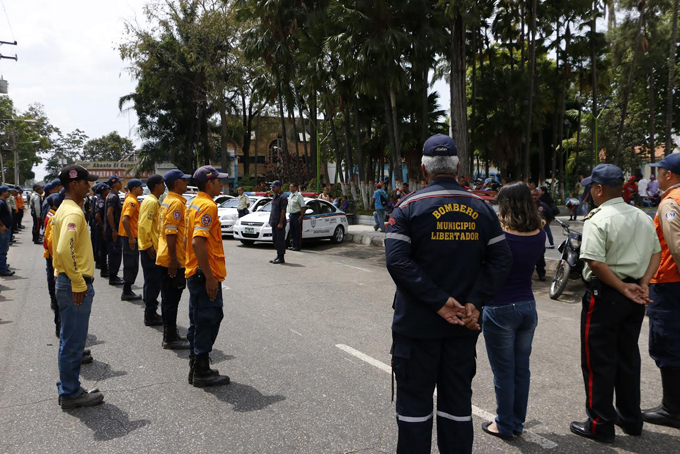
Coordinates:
(447,255)
(113,209)
(92,210)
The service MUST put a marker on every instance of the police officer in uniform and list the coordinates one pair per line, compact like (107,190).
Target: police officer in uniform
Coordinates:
(205,271)
(100,228)
(127,230)
(277,220)
(114,247)
(296,208)
(74,262)
(54,201)
(622,253)
(447,255)
(664,311)
(91,206)
(149,227)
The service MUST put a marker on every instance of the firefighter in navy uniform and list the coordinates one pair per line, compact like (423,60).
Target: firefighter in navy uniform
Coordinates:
(99,220)
(447,255)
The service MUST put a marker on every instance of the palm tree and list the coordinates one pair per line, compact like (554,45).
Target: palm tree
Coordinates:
(671,81)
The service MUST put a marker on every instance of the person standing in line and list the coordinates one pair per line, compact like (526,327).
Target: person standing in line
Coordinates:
(447,256)
(5,231)
(127,230)
(53,201)
(171,258)
(91,206)
(243,203)
(664,311)
(621,253)
(379,203)
(20,207)
(149,229)
(100,228)
(111,224)
(296,208)
(277,220)
(206,269)
(53,187)
(509,321)
(12,203)
(34,204)
(546,214)
(73,260)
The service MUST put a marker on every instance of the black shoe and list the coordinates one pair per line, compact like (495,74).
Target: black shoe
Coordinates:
(116,281)
(278,261)
(152,319)
(172,340)
(661,417)
(629,430)
(552,246)
(668,413)
(130,296)
(582,429)
(204,376)
(86,359)
(485,428)
(57,329)
(10,273)
(87,352)
(296,249)
(86,399)
(104,273)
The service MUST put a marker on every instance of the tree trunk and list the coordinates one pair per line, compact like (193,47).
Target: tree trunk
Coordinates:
(560,138)
(284,139)
(541,158)
(257,137)
(305,138)
(459,128)
(298,170)
(424,106)
(473,101)
(527,148)
(593,63)
(651,122)
(248,128)
(360,156)
(556,116)
(522,15)
(224,133)
(629,85)
(388,124)
(397,145)
(348,151)
(671,81)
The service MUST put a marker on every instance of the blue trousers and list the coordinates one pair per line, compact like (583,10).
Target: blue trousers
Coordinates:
(379,219)
(664,325)
(4,247)
(205,316)
(171,295)
(548,233)
(130,262)
(115,252)
(152,282)
(421,364)
(74,325)
(508,333)
(51,289)
(295,230)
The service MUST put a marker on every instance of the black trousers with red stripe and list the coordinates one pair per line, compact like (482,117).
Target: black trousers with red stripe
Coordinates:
(610,358)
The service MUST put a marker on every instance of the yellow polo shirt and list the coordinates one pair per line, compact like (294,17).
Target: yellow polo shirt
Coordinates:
(71,245)
(172,222)
(131,209)
(149,223)
(202,221)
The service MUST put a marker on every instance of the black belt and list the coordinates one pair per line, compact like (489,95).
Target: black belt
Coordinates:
(295,213)
(87,279)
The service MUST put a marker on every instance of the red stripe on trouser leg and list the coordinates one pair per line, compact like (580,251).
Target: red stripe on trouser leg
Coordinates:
(589,316)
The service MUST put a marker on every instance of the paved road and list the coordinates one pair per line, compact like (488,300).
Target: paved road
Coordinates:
(306,346)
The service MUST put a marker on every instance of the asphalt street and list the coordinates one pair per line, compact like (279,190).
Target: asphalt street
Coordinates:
(306,346)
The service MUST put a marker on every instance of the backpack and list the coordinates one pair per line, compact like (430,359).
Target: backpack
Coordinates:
(383,200)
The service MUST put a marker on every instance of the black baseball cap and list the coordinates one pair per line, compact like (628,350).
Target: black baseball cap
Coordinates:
(670,162)
(154,180)
(112,180)
(174,175)
(606,175)
(101,187)
(440,145)
(134,183)
(75,172)
(207,173)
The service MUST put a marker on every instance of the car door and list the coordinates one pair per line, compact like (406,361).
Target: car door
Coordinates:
(310,220)
(328,221)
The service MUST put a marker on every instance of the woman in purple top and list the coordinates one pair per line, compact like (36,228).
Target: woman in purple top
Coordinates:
(509,321)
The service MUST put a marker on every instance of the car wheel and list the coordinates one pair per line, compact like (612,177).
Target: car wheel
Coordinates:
(338,235)
(247,242)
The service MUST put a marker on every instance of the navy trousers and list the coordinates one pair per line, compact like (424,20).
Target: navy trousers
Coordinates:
(171,294)
(295,230)
(205,316)
(130,262)
(115,254)
(664,325)
(152,282)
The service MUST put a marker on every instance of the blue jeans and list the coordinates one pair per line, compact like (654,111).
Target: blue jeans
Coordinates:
(4,247)
(74,325)
(548,233)
(508,332)
(205,316)
(379,219)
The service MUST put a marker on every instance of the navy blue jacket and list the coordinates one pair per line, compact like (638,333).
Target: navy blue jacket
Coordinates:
(443,241)
(113,200)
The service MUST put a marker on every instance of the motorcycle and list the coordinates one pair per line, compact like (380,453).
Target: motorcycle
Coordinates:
(570,267)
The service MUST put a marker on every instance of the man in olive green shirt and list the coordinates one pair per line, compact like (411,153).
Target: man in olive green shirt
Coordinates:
(622,253)
(243,203)
(296,209)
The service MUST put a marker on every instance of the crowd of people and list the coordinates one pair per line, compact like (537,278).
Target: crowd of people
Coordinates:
(12,205)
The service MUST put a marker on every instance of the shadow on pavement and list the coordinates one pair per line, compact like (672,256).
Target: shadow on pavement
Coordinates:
(99,371)
(92,341)
(2,298)
(107,421)
(217,356)
(4,322)
(243,397)
(293,265)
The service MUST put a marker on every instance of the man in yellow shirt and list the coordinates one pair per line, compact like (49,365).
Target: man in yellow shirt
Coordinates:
(171,258)
(73,263)
(129,220)
(205,271)
(149,227)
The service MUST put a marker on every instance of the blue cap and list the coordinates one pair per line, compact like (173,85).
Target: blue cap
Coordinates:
(134,183)
(670,162)
(440,145)
(207,173)
(47,187)
(112,179)
(3,188)
(55,183)
(174,175)
(101,187)
(606,175)
(276,183)
(153,181)
(54,200)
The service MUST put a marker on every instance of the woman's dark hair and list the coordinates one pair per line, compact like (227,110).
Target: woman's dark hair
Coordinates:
(517,211)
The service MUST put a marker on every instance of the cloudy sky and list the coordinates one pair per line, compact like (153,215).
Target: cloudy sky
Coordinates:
(68,62)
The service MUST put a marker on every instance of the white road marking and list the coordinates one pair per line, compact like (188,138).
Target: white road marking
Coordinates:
(296,332)
(224,287)
(528,436)
(355,267)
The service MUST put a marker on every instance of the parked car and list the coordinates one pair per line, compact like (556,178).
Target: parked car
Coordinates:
(228,213)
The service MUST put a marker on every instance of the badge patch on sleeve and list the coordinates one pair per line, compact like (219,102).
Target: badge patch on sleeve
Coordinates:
(670,215)
(71,226)
(206,220)
(132,204)
(176,215)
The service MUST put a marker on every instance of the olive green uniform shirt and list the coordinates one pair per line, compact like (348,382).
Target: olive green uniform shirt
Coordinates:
(295,203)
(620,235)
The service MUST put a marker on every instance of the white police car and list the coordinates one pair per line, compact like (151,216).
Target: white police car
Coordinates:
(228,214)
(321,220)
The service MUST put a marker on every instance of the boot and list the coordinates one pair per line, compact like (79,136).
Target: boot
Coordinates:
(152,319)
(668,413)
(204,376)
(172,340)
(129,295)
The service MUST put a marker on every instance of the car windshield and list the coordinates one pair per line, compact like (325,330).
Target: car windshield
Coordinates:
(229,203)
(267,207)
